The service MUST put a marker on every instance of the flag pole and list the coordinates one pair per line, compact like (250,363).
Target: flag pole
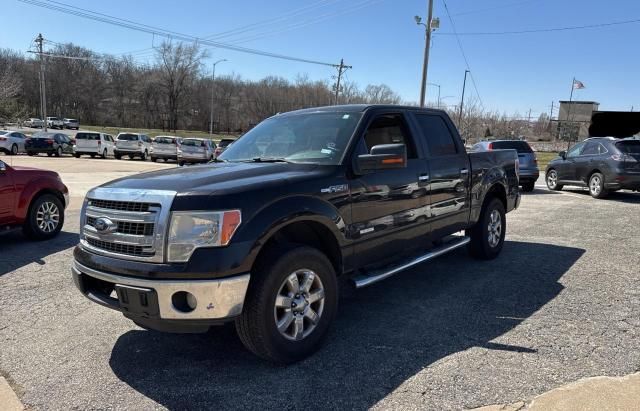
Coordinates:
(573,84)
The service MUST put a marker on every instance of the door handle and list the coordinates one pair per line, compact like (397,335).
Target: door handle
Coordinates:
(423,177)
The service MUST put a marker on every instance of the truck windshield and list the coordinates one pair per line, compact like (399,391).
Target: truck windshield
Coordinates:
(319,138)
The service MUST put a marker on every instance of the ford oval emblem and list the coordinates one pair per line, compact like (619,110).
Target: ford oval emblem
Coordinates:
(104,225)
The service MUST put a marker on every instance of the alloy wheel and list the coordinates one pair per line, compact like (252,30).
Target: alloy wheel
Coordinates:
(494,228)
(299,304)
(48,217)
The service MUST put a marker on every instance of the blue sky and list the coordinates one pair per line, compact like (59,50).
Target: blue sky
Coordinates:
(513,73)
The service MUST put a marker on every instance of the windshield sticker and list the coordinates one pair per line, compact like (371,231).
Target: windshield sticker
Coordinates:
(325,151)
(345,117)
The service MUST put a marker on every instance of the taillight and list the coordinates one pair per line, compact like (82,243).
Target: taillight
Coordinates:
(50,142)
(535,159)
(99,143)
(3,139)
(490,146)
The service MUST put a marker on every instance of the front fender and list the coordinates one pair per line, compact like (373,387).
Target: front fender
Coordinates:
(33,188)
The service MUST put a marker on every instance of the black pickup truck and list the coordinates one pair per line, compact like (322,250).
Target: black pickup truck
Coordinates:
(265,235)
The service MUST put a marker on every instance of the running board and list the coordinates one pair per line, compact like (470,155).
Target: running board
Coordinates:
(364,280)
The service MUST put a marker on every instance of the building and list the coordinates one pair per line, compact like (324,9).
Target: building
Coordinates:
(574,119)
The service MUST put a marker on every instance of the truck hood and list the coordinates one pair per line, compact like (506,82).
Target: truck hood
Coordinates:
(217,177)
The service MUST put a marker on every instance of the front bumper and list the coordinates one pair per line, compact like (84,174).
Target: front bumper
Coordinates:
(155,301)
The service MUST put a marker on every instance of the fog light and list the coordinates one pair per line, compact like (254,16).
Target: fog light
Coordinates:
(184,302)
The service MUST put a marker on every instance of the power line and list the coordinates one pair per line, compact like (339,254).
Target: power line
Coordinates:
(76,11)
(547,30)
(473,80)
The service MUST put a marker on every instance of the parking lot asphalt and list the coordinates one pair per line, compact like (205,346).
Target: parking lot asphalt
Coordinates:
(559,304)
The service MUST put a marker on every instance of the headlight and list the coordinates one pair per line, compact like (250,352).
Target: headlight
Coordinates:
(195,229)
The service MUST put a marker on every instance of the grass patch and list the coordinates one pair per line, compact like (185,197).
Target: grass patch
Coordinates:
(544,158)
(157,132)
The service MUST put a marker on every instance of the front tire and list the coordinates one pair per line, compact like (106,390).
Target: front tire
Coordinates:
(59,152)
(144,155)
(14,150)
(45,218)
(552,180)
(487,236)
(597,188)
(291,302)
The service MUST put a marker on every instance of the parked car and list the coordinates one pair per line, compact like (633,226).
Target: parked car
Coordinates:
(34,123)
(165,148)
(602,164)
(222,145)
(71,123)
(33,200)
(55,122)
(196,150)
(94,144)
(50,143)
(12,142)
(132,145)
(262,235)
(527,159)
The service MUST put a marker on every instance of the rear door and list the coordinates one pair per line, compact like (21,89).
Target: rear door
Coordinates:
(389,207)
(7,194)
(587,160)
(67,146)
(449,200)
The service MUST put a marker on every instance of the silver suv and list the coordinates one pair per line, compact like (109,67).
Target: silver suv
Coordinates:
(132,145)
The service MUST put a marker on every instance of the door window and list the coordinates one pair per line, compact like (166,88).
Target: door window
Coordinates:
(591,149)
(437,135)
(575,150)
(389,129)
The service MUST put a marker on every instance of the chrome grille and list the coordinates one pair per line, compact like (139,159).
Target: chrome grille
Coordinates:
(127,227)
(121,205)
(133,223)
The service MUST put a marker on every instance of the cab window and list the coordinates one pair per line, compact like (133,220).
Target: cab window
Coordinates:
(575,150)
(389,129)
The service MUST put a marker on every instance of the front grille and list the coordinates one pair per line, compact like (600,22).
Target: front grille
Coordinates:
(127,249)
(121,205)
(126,227)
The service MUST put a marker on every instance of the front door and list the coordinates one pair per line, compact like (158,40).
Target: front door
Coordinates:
(389,207)
(7,194)
(567,169)
(449,198)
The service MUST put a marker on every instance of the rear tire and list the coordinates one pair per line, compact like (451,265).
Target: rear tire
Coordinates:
(104,154)
(14,150)
(279,294)
(487,236)
(59,152)
(154,159)
(49,154)
(528,187)
(45,218)
(76,155)
(181,163)
(144,155)
(117,156)
(552,180)
(597,188)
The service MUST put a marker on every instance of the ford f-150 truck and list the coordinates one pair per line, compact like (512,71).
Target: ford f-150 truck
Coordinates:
(264,235)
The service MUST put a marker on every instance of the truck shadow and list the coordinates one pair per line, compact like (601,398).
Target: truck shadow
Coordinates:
(17,251)
(383,335)
(626,196)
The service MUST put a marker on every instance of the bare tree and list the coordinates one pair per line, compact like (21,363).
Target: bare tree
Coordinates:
(178,66)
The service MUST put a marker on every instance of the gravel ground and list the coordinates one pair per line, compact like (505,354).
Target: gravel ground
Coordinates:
(559,304)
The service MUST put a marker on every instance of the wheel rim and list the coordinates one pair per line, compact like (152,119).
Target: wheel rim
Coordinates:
(595,185)
(552,179)
(14,149)
(494,228)
(59,151)
(48,217)
(299,304)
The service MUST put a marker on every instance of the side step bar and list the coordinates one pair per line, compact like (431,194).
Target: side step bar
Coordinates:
(364,280)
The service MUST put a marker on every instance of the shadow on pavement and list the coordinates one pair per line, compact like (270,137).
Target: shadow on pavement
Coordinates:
(17,251)
(617,196)
(384,335)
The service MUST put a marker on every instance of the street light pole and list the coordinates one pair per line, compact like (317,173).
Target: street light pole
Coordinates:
(437,85)
(427,44)
(464,86)
(213,79)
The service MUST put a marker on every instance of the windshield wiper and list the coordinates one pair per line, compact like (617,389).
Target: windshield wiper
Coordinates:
(270,160)
(216,160)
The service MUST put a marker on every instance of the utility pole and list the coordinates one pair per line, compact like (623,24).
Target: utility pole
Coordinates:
(427,46)
(43,90)
(464,86)
(213,80)
(551,113)
(529,117)
(437,85)
(341,69)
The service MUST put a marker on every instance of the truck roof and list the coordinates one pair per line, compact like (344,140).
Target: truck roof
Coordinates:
(359,108)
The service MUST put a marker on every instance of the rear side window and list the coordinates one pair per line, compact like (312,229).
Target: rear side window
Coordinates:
(629,147)
(591,149)
(128,137)
(437,135)
(87,136)
(521,147)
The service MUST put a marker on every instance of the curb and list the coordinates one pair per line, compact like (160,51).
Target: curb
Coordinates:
(8,398)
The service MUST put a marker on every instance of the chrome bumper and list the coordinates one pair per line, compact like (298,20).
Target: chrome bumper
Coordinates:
(216,299)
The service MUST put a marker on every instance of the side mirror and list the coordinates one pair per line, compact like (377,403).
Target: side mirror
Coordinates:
(382,157)
(563,154)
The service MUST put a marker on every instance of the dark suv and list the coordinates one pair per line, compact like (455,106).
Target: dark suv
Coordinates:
(602,164)
(527,159)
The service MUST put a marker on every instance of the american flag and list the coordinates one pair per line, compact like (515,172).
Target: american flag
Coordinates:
(577,84)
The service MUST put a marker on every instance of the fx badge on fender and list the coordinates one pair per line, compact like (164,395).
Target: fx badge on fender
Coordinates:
(335,189)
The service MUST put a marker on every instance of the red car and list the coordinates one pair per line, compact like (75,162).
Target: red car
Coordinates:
(33,200)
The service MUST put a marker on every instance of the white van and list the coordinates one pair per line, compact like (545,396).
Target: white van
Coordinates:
(165,148)
(132,145)
(94,144)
